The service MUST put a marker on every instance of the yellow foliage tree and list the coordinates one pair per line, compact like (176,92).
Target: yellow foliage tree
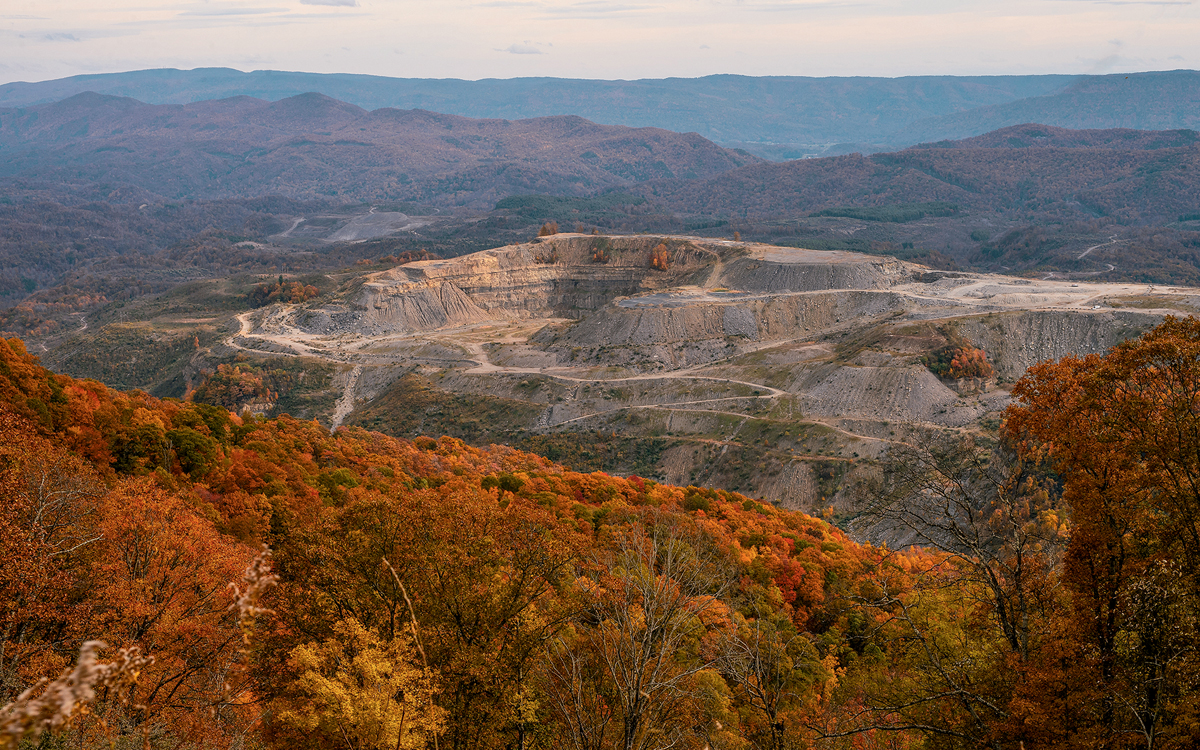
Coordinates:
(357,691)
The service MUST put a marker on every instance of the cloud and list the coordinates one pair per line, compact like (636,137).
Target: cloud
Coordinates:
(801,7)
(79,35)
(522,49)
(1105,64)
(582,10)
(335,3)
(51,36)
(1137,2)
(231,11)
(596,10)
(1109,62)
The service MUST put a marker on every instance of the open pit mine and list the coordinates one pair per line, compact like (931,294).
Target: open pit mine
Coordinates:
(783,373)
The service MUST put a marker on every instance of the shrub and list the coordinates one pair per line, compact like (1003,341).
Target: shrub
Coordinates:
(230,387)
(600,250)
(959,360)
(281,291)
(660,258)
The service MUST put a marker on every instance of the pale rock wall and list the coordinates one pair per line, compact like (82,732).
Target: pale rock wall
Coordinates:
(895,394)
(1015,341)
(765,275)
(558,277)
(552,278)
(794,488)
(767,319)
(419,307)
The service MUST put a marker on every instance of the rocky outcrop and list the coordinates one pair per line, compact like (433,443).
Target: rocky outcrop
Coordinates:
(569,276)
(420,307)
(561,276)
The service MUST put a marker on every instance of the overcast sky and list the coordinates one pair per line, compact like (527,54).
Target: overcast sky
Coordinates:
(42,39)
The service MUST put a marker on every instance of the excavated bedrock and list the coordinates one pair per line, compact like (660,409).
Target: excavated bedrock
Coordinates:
(759,318)
(570,276)
(563,276)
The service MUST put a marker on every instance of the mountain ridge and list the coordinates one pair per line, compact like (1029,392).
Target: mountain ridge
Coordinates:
(1133,184)
(779,116)
(311,146)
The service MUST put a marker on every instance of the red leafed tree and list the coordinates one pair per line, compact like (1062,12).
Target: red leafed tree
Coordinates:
(162,584)
(970,363)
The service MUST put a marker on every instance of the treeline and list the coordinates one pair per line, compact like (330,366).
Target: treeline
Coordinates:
(434,594)
(899,214)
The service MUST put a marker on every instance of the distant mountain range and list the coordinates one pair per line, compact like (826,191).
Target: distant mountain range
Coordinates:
(776,117)
(1046,174)
(313,147)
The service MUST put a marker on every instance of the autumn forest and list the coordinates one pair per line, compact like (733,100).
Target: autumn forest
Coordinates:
(175,576)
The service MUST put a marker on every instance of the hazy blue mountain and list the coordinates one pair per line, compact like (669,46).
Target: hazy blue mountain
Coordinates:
(776,117)
(803,114)
(1138,101)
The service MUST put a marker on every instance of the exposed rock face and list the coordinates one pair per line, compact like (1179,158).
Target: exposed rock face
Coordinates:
(561,276)
(423,306)
(641,322)
(570,275)
(1022,339)
(788,270)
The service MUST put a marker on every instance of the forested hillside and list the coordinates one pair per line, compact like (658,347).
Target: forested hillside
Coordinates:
(1120,176)
(431,594)
(310,147)
(107,198)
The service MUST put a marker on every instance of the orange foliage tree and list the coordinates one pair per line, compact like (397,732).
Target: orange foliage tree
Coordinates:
(231,387)
(281,291)
(1123,430)
(660,258)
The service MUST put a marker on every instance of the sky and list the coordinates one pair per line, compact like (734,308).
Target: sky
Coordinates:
(610,39)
